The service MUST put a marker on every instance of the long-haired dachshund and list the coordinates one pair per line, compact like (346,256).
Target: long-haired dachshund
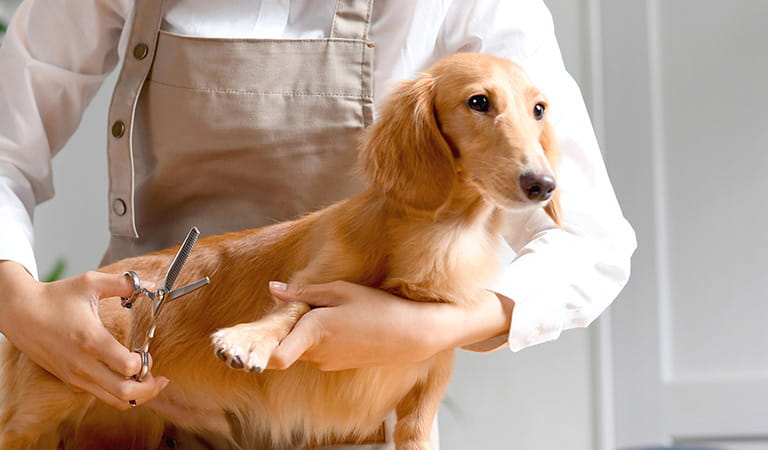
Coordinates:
(452,150)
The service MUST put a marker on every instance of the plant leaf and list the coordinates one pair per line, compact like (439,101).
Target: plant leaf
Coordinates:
(57,271)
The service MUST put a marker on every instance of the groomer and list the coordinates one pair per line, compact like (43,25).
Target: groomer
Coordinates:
(237,114)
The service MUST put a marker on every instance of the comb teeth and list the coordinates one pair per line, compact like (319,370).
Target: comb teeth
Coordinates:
(181,258)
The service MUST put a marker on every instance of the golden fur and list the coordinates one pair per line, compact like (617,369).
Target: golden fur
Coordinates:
(425,228)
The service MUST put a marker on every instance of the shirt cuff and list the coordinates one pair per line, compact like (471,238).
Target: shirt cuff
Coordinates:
(16,243)
(533,325)
(538,315)
(530,325)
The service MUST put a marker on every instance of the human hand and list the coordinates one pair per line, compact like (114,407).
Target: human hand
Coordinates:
(57,325)
(355,326)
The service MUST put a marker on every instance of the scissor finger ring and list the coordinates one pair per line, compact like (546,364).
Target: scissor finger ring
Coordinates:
(144,365)
(128,302)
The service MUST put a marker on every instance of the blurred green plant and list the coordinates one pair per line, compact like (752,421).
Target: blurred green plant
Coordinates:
(7,8)
(58,270)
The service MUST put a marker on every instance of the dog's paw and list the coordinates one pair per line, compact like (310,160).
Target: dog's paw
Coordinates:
(246,346)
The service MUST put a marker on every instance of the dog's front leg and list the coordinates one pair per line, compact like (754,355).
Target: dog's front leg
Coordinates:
(416,412)
(248,346)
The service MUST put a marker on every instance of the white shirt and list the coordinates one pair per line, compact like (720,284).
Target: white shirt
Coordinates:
(56,55)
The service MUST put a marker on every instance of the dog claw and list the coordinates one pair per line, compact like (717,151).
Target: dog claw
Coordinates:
(246,347)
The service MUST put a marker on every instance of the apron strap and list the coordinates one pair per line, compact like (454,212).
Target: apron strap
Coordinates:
(136,64)
(352,19)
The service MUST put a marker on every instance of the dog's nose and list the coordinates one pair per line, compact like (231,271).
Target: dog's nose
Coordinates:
(537,187)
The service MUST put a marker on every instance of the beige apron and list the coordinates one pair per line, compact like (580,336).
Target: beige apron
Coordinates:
(229,134)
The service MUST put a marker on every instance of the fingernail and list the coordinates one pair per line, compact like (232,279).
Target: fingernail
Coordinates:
(278,286)
(164,383)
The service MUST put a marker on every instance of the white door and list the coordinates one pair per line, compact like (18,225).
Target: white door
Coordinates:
(686,132)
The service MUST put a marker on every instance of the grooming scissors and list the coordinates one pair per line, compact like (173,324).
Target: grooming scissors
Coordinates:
(163,295)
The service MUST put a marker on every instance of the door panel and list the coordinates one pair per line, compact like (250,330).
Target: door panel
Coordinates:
(689,332)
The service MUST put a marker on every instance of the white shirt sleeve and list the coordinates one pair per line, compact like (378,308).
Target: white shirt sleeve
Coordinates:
(559,278)
(54,57)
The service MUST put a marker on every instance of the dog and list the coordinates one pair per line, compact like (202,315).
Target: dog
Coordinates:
(452,152)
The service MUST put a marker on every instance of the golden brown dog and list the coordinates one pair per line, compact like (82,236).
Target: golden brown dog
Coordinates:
(452,150)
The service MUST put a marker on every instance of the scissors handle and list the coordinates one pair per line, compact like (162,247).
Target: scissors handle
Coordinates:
(127,302)
(144,365)
(162,295)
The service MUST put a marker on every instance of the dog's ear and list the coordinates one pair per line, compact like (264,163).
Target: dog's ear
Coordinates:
(552,152)
(405,154)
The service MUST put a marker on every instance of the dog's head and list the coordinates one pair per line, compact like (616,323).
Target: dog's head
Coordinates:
(471,121)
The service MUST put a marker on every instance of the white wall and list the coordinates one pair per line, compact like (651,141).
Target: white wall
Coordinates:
(73,225)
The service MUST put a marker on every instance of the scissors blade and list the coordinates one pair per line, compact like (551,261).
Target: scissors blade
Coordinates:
(180,259)
(184,290)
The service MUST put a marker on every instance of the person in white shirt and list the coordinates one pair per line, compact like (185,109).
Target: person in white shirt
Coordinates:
(56,55)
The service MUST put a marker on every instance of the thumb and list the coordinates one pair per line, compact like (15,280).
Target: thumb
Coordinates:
(304,336)
(110,284)
(326,294)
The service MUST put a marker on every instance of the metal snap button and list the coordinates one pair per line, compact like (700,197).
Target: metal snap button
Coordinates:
(140,51)
(118,207)
(118,129)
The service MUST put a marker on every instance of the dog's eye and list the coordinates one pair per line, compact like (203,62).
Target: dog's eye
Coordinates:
(479,103)
(538,111)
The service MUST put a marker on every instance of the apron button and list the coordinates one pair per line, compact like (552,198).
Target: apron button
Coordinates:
(118,129)
(140,51)
(118,207)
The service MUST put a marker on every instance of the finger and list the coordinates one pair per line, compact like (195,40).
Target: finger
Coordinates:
(326,294)
(116,357)
(107,285)
(304,336)
(125,394)
(117,391)
(101,394)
